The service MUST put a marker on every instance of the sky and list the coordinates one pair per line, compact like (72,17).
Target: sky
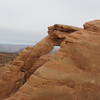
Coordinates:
(26,21)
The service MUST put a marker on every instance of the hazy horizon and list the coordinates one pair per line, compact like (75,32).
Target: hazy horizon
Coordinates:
(20,37)
(26,21)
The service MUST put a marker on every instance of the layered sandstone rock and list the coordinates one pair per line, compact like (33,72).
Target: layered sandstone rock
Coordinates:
(72,73)
(13,75)
(93,26)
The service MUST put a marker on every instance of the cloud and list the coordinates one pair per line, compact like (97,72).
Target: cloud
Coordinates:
(34,16)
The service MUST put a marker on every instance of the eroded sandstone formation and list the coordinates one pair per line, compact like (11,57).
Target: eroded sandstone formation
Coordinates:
(72,73)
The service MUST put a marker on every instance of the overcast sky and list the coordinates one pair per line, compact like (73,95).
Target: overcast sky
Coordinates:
(26,21)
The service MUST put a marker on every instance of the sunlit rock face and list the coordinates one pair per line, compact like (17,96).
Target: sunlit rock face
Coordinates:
(70,72)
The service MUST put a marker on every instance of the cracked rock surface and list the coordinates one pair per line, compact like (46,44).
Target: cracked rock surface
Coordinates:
(71,73)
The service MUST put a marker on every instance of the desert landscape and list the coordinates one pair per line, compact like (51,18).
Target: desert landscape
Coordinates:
(6,58)
(9,51)
(70,73)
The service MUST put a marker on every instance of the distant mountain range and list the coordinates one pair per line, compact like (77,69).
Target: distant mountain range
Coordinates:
(12,48)
(15,48)
(20,37)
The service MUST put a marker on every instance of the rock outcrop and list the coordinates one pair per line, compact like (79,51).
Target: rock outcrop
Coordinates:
(72,73)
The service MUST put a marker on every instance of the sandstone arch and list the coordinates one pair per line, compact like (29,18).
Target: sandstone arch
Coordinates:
(71,73)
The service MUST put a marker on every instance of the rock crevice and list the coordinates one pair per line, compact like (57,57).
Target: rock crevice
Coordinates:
(71,73)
